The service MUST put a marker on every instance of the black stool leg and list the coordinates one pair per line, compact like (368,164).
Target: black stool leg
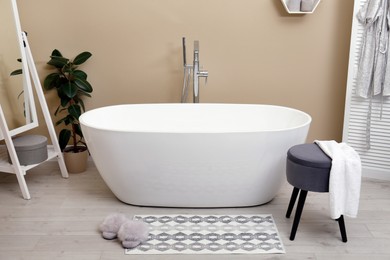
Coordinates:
(294,196)
(298,213)
(342,228)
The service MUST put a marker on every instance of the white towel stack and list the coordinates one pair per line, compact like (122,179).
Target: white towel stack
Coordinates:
(307,5)
(294,5)
(300,5)
(344,180)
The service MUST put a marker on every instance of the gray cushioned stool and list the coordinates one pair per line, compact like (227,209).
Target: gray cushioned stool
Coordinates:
(308,169)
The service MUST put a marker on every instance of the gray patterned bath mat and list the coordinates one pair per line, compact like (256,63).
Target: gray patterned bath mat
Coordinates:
(210,234)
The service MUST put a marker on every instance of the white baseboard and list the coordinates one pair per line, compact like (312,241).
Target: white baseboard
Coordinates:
(376,174)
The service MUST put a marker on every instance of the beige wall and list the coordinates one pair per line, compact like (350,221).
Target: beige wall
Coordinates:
(254,51)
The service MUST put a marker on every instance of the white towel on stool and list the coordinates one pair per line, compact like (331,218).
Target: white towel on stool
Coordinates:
(344,180)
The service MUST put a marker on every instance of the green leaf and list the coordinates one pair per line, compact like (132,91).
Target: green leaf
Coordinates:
(51,81)
(56,112)
(66,120)
(65,101)
(62,81)
(64,138)
(82,57)
(68,68)
(62,120)
(78,130)
(80,74)
(81,102)
(75,111)
(58,62)
(16,72)
(83,85)
(69,120)
(56,52)
(82,93)
(60,92)
(69,89)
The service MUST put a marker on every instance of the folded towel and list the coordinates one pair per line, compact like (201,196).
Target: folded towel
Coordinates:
(307,5)
(294,5)
(344,180)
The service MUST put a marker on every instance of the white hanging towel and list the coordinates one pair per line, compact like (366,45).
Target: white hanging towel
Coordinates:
(386,83)
(372,61)
(344,179)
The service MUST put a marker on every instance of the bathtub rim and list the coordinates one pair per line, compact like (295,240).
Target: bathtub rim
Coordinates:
(102,128)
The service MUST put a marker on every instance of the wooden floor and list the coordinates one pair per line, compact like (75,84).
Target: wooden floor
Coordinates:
(61,219)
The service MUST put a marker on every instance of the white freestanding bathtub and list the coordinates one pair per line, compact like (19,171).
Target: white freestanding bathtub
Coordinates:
(193,155)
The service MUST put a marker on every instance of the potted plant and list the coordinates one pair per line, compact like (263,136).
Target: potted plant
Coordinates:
(72,86)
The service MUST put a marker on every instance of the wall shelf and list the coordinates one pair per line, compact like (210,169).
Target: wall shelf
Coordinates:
(286,6)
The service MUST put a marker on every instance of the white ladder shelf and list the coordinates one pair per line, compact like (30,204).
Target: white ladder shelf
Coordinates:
(8,167)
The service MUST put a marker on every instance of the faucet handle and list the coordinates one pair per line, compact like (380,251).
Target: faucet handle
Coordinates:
(204,74)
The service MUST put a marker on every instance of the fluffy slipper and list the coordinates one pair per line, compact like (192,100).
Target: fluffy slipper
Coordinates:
(111,225)
(132,233)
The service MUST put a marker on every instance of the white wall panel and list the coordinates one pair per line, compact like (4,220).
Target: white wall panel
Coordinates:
(376,158)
